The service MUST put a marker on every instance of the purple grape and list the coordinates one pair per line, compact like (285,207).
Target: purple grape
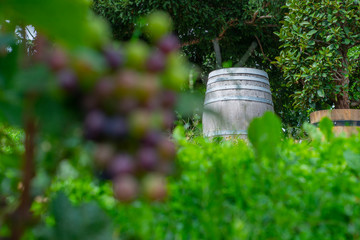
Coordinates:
(94,125)
(168,99)
(139,121)
(147,158)
(168,119)
(114,57)
(152,103)
(156,62)
(147,89)
(103,154)
(121,164)
(125,188)
(166,149)
(169,44)
(104,88)
(89,103)
(126,82)
(67,80)
(152,138)
(155,187)
(127,104)
(116,128)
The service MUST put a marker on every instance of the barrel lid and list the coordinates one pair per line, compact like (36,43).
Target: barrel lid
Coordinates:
(238,70)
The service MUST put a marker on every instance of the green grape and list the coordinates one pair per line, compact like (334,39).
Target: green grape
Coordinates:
(158,25)
(154,187)
(136,54)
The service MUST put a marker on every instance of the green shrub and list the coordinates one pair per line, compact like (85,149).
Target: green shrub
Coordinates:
(277,189)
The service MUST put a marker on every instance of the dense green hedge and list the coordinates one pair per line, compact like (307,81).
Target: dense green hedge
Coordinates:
(227,190)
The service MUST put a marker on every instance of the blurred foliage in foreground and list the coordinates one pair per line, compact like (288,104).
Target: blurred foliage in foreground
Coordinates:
(273,188)
(64,81)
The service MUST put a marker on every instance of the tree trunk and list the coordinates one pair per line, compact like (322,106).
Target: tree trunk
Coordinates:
(342,101)
(217,53)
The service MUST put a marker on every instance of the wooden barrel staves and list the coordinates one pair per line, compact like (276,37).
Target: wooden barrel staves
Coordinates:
(234,96)
(345,120)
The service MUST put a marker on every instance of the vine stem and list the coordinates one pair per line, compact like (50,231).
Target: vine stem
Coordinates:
(22,216)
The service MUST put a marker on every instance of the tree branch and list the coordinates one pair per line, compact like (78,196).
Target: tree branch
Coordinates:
(230,23)
(264,17)
(338,75)
(252,21)
(192,42)
(262,51)
(247,54)
(254,17)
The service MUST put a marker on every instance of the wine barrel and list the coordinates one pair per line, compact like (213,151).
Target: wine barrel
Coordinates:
(345,120)
(234,96)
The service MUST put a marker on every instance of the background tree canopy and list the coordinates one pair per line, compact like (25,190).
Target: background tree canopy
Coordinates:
(234,23)
(241,28)
(320,52)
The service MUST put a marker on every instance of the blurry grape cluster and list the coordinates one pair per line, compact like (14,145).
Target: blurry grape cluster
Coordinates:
(125,95)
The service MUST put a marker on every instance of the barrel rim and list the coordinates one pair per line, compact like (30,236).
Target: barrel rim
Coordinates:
(221,133)
(332,114)
(238,78)
(237,87)
(236,98)
(240,70)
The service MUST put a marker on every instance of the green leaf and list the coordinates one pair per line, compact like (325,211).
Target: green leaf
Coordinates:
(326,126)
(305,23)
(312,32)
(179,134)
(265,134)
(320,92)
(347,30)
(227,64)
(328,38)
(353,160)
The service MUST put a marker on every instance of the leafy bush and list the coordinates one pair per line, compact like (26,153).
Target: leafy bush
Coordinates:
(271,188)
